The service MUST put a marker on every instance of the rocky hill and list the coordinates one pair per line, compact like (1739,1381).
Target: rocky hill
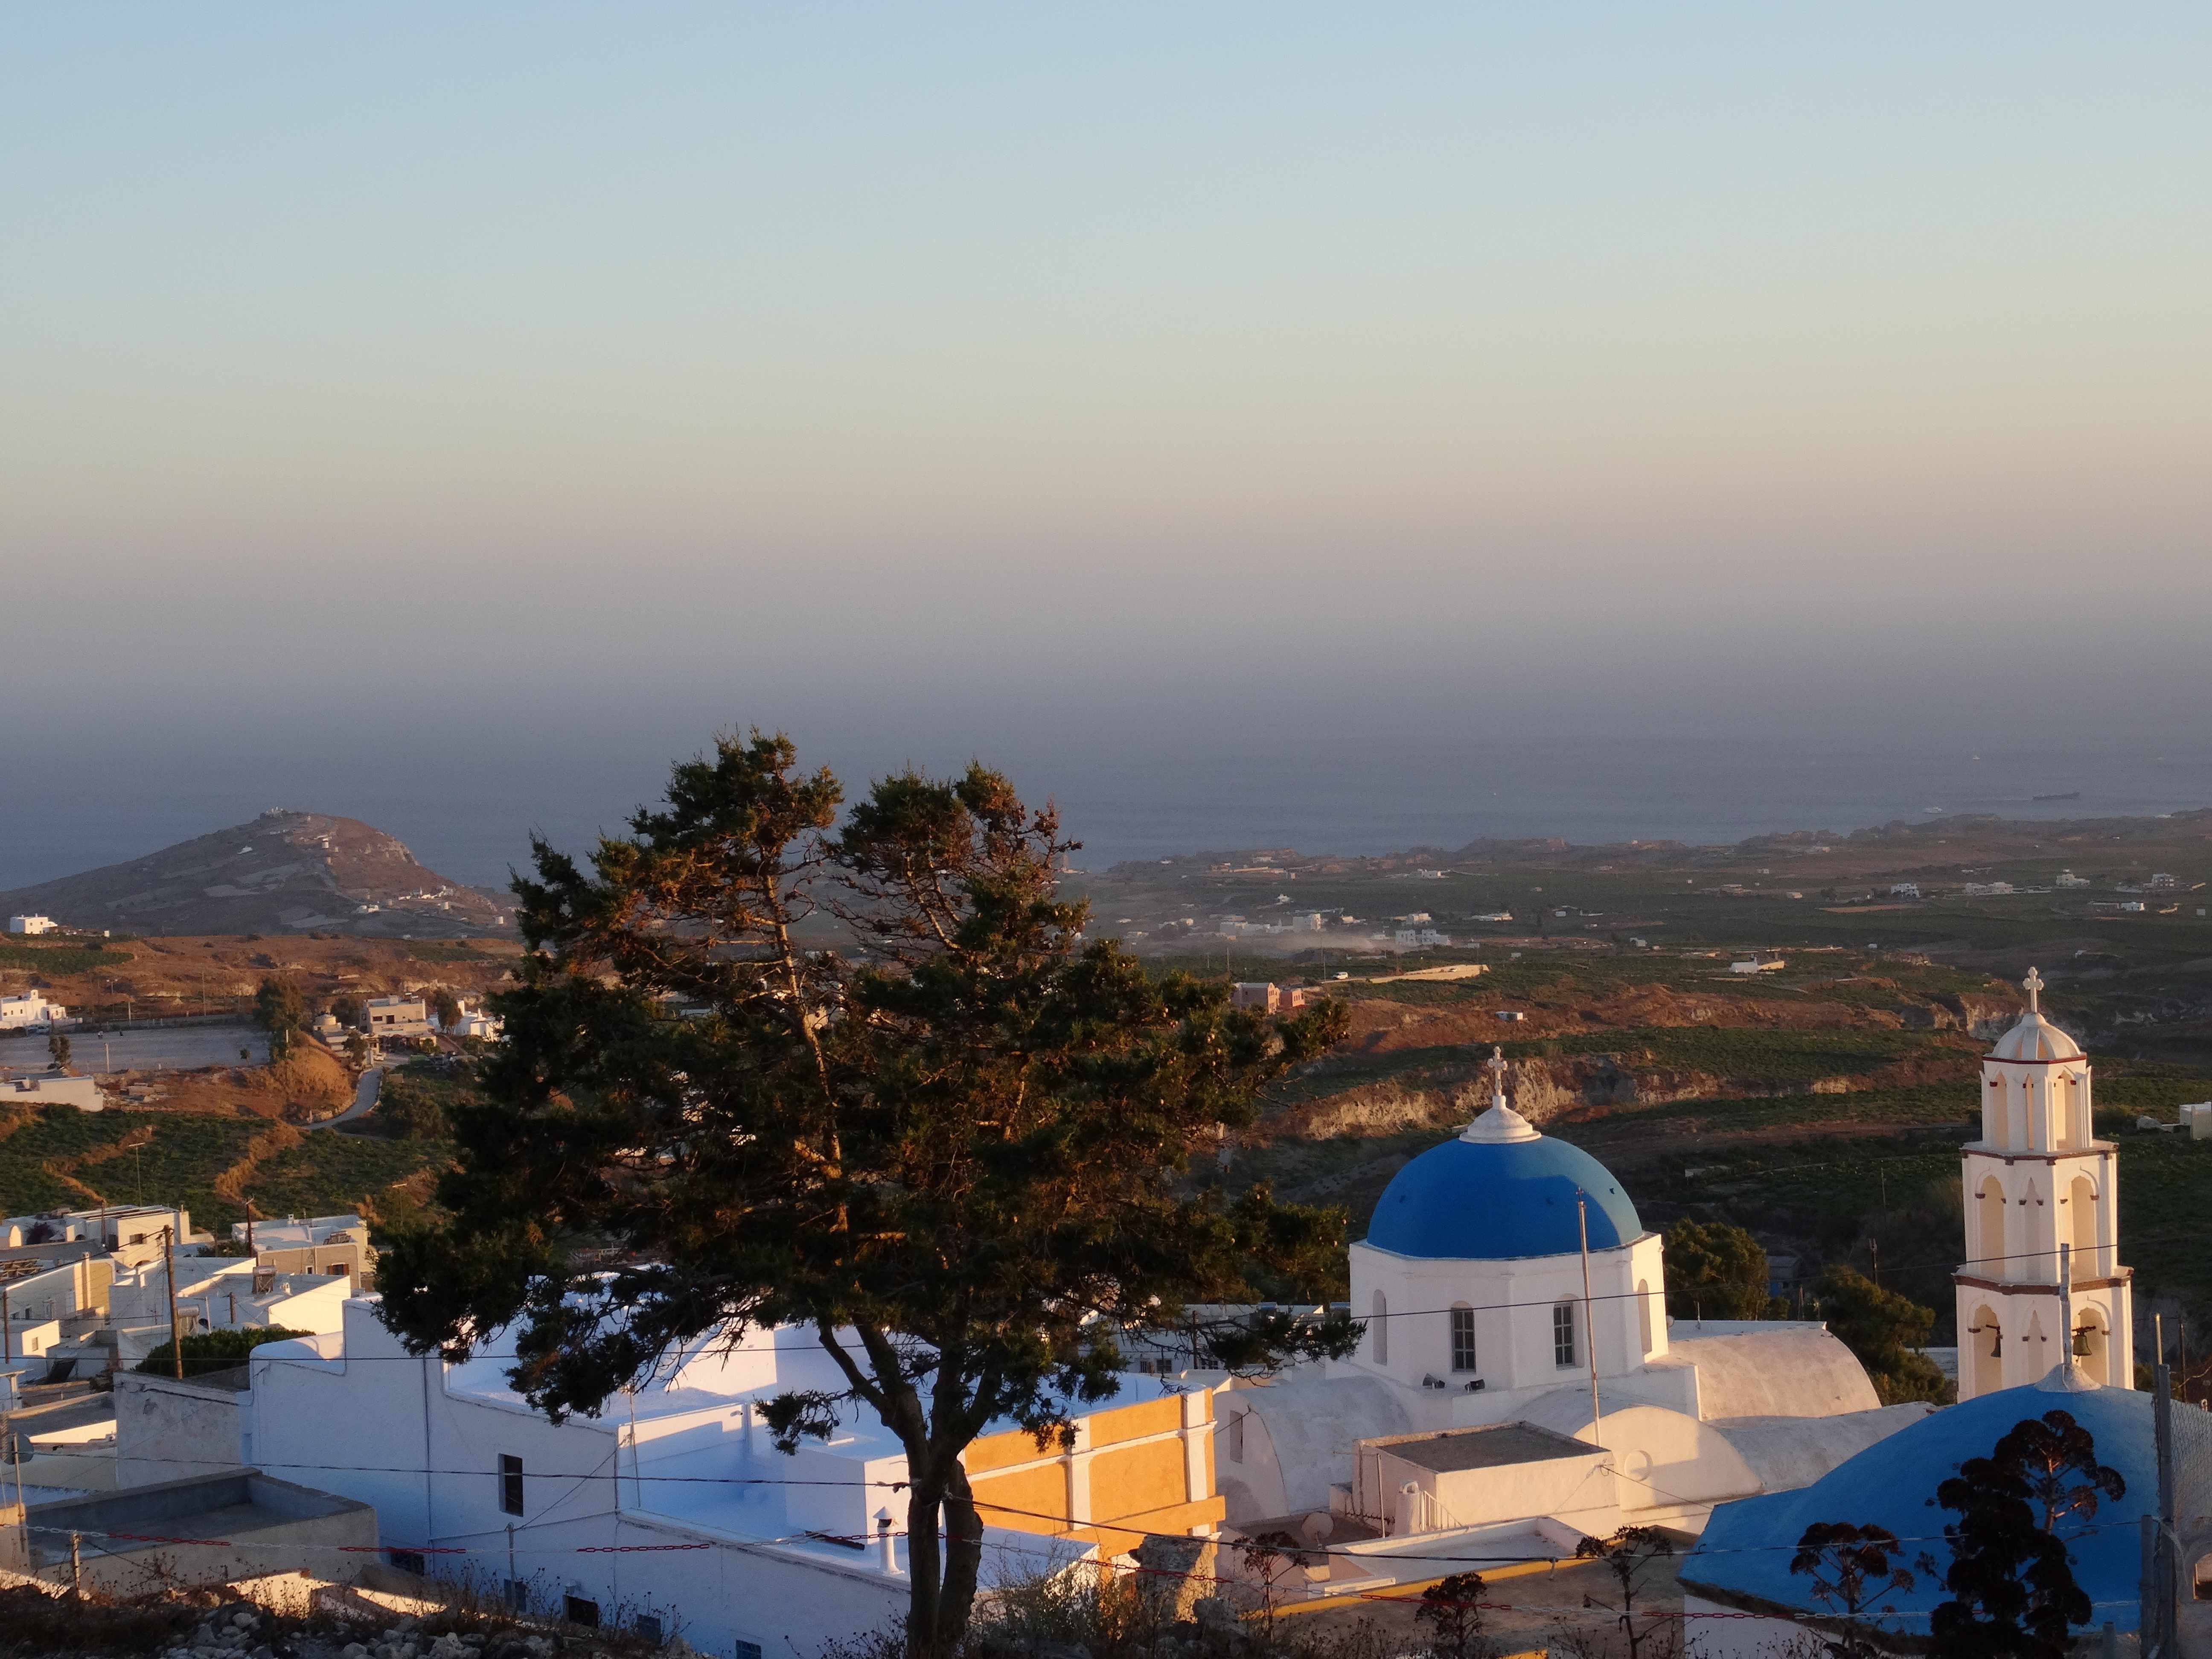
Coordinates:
(284,871)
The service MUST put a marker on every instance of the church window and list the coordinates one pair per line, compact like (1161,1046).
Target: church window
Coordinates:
(1462,1340)
(1644,1312)
(1563,1334)
(1381,1326)
(1237,1437)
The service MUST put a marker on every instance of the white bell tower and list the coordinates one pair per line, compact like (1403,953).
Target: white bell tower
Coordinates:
(2036,1180)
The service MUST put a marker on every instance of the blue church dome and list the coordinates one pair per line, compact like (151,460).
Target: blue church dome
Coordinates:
(1489,1200)
(1746,1548)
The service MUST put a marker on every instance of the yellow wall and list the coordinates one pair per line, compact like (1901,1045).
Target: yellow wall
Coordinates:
(1142,1486)
(1161,1416)
(1036,1498)
(1137,1478)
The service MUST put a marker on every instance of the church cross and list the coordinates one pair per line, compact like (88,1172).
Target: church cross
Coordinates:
(2034,984)
(1496,1064)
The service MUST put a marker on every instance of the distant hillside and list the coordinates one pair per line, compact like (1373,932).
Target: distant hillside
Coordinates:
(282,872)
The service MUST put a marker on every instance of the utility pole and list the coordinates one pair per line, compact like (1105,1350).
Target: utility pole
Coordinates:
(7,1331)
(2161,1613)
(169,1273)
(1589,1327)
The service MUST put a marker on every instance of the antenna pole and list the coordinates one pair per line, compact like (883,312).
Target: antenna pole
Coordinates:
(169,1273)
(2066,1304)
(1589,1330)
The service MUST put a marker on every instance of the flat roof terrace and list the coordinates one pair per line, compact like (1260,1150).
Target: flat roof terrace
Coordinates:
(1449,1450)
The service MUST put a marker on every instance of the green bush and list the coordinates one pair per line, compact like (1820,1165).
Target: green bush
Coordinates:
(212,1350)
(1884,1329)
(1714,1271)
(409,1107)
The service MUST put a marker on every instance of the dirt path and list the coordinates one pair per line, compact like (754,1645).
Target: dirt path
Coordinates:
(231,1184)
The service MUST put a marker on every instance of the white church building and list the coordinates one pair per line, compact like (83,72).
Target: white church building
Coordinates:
(1519,1373)
(1519,1380)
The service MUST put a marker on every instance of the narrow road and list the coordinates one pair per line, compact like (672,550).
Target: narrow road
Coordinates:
(364,1099)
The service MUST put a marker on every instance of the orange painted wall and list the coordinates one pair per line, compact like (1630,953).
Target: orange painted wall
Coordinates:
(1127,1481)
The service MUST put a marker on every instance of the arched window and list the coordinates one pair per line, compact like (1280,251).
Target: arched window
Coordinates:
(1644,1312)
(1381,1325)
(1237,1436)
(1990,1231)
(2038,1264)
(1985,1340)
(1462,1339)
(2093,1347)
(2082,1229)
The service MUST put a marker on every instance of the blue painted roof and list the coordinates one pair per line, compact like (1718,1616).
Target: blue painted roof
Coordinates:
(1746,1547)
(1487,1201)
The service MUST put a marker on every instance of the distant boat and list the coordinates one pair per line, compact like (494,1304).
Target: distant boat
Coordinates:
(2071,794)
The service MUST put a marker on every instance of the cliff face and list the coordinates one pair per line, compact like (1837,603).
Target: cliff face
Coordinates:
(282,872)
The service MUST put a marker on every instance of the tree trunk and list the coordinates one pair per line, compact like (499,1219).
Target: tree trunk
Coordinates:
(943,1571)
(925,1588)
(964,1557)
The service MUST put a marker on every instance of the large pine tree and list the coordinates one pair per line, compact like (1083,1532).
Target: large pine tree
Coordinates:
(869,1077)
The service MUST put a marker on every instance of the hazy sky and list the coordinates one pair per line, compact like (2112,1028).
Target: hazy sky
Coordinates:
(444,414)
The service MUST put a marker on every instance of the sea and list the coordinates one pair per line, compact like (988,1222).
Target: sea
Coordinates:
(470,818)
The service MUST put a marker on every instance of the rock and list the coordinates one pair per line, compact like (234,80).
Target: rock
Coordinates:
(264,1651)
(1176,1573)
(1215,1616)
(354,1650)
(241,1620)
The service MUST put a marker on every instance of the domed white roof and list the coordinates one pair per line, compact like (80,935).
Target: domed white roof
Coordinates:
(2035,1038)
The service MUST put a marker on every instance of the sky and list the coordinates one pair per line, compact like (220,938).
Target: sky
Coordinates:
(1239,422)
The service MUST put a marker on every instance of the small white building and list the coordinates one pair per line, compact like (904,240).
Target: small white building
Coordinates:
(218,1293)
(130,1232)
(475,1023)
(30,1011)
(1910,890)
(399,1017)
(1758,965)
(168,1429)
(53,1089)
(1267,998)
(31,924)
(58,1292)
(320,1244)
